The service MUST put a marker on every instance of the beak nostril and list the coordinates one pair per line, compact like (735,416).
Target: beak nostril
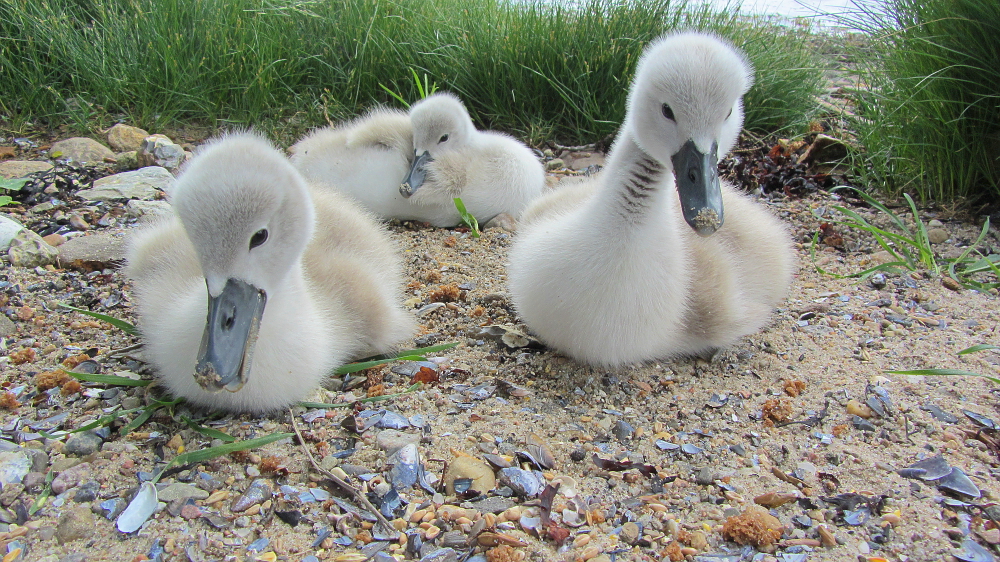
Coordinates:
(693,174)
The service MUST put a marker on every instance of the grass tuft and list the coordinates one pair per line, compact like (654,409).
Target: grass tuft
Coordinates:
(538,69)
(929,113)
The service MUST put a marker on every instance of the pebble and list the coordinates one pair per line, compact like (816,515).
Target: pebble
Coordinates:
(181,491)
(27,249)
(630,533)
(937,235)
(69,478)
(159,150)
(75,524)
(80,150)
(10,169)
(391,440)
(145,183)
(87,492)
(83,444)
(124,138)
(555,164)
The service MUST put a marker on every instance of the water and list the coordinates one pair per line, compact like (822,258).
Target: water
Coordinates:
(820,11)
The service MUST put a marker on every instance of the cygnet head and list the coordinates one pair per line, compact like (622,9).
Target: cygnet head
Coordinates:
(248,214)
(685,107)
(440,124)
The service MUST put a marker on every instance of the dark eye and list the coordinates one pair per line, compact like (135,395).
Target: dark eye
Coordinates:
(444,138)
(667,112)
(730,114)
(258,238)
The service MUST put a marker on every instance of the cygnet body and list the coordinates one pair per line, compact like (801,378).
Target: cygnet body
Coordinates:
(412,166)
(258,286)
(655,257)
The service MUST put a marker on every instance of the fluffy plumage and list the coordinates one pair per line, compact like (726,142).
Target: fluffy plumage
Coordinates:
(436,150)
(329,272)
(609,271)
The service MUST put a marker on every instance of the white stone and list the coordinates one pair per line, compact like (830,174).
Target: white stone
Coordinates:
(144,183)
(8,230)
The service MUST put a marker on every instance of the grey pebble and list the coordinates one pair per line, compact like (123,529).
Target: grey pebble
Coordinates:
(704,476)
(623,431)
(83,444)
(258,492)
(87,492)
(182,491)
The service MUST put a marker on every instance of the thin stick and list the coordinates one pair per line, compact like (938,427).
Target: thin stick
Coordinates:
(358,496)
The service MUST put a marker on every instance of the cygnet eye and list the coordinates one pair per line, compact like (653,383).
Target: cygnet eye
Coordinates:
(258,238)
(730,114)
(444,138)
(667,112)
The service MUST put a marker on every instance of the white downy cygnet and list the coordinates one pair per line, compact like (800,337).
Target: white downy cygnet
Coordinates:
(655,257)
(412,166)
(257,286)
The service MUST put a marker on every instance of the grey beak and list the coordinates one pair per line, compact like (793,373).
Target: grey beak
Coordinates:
(697,177)
(417,174)
(227,344)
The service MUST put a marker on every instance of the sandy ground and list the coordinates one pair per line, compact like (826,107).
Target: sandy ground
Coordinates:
(827,342)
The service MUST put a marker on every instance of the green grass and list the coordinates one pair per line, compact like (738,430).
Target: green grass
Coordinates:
(537,69)
(910,248)
(930,118)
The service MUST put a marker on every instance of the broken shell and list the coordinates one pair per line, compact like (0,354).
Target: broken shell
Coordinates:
(957,481)
(139,509)
(523,482)
(480,474)
(258,492)
(493,539)
(405,466)
(539,453)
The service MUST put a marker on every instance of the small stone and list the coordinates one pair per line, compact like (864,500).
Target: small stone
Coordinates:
(27,249)
(123,138)
(190,511)
(145,183)
(502,221)
(69,478)
(55,240)
(159,150)
(937,235)
(104,248)
(33,482)
(87,492)
(12,169)
(137,208)
(76,524)
(483,479)
(9,228)
(705,476)
(826,536)
(7,327)
(83,444)
(80,150)
(77,223)
(623,431)
(950,283)
(555,164)
(856,408)
(630,533)
(181,491)
(126,161)
(441,555)
(392,440)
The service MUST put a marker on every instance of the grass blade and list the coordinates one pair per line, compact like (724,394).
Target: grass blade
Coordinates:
(44,496)
(978,347)
(213,452)
(139,420)
(207,431)
(114,380)
(945,372)
(406,355)
(467,217)
(122,325)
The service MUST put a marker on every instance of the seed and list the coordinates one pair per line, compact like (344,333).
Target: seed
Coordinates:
(590,552)
(581,540)
(432,532)
(418,515)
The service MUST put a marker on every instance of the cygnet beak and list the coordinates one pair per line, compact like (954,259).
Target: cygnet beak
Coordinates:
(417,174)
(230,335)
(697,177)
